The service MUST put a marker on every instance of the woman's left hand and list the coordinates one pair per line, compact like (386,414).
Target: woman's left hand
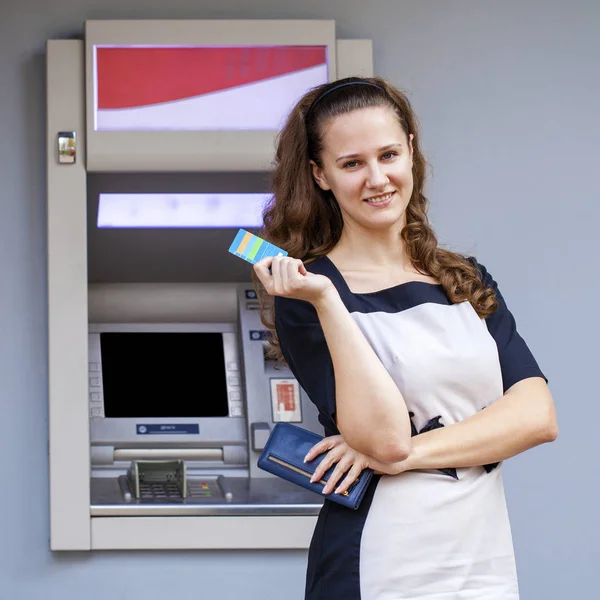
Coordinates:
(347,459)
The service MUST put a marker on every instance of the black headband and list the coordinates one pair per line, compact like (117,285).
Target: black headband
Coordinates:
(337,87)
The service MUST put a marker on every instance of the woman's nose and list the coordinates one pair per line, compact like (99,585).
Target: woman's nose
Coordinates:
(377,177)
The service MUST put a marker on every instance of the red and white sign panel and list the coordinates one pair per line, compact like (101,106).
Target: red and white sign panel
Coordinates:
(285,400)
(202,88)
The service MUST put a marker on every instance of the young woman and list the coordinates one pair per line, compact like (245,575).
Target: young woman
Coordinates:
(408,351)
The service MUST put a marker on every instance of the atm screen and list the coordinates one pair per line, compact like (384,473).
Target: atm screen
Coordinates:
(163,375)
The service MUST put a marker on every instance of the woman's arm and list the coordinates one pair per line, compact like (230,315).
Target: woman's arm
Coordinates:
(371,414)
(369,409)
(521,419)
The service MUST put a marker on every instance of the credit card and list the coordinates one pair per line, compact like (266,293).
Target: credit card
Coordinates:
(252,248)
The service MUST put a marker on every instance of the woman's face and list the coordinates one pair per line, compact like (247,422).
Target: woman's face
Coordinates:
(367,165)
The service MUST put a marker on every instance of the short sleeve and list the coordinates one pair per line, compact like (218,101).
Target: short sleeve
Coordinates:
(516,360)
(305,350)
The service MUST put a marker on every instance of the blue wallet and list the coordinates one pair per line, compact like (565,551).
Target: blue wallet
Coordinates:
(283,455)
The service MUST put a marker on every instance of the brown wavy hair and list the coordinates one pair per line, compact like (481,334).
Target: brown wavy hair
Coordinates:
(307,222)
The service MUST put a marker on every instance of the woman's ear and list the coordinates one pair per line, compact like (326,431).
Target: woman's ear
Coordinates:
(319,176)
(410,147)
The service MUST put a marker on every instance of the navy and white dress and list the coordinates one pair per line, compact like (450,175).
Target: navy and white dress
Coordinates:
(431,534)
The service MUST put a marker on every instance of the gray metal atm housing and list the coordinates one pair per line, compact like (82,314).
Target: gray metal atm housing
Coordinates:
(229,503)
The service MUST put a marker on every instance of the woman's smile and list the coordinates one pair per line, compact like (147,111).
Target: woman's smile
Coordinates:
(380,201)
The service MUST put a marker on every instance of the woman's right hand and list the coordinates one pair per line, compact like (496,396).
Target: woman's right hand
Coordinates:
(288,277)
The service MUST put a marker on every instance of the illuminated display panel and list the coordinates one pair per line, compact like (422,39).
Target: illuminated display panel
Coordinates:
(175,88)
(181,210)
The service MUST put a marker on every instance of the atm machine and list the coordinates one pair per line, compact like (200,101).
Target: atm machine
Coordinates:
(179,413)
(162,393)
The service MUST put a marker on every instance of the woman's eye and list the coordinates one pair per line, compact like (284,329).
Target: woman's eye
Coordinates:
(352,164)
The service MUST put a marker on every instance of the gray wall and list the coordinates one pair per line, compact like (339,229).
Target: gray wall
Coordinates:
(508,95)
